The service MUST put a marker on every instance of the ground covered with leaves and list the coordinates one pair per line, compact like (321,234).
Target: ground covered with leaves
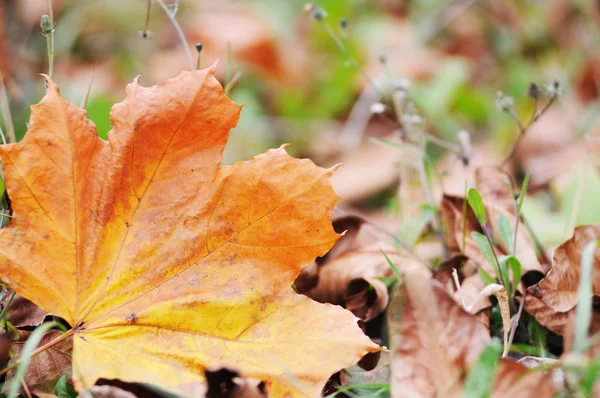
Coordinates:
(432,231)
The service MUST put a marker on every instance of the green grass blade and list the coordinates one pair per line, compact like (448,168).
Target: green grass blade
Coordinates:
(485,277)
(14,385)
(476,204)
(395,269)
(403,147)
(523,193)
(583,310)
(506,233)
(480,379)
(517,271)
(485,248)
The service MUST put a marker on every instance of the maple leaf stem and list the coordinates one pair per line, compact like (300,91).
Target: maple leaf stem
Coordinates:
(40,349)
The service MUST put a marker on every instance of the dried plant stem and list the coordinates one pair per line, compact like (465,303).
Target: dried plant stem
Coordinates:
(229,86)
(515,322)
(89,88)
(26,389)
(8,303)
(523,129)
(517,222)
(502,297)
(6,115)
(340,44)
(40,349)
(50,40)
(177,27)
(457,283)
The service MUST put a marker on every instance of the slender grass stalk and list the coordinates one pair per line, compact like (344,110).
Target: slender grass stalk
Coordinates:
(8,303)
(583,310)
(6,115)
(180,33)
(47,26)
(86,96)
(27,354)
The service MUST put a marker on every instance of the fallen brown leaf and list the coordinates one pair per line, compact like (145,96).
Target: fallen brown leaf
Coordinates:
(516,380)
(351,279)
(435,343)
(432,339)
(558,289)
(552,301)
(23,313)
(48,366)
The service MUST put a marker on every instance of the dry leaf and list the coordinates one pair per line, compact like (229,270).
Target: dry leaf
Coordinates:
(357,375)
(48,366)
(516,380)
(435,343)
(552,301)
(432,339)
(471,283)
(558,289)
(351,279)
(546,316)
(23,313)
(367,170)
(164,263)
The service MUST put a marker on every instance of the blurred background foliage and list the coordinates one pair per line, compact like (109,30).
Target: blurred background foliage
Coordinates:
(298,87)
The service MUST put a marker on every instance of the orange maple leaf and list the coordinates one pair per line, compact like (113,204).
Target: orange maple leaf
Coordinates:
(164,263)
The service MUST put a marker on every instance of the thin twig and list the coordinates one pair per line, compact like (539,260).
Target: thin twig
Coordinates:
(26,389)
(50,40)
(523,129)
(147,23)
(517,318)
(8,303)
(351,60)
(457,283)
(177,27)
(517,222)
(89,89)
(229,86)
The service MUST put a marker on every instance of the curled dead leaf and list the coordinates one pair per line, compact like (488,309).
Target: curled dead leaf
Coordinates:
(353,279)
(558,289)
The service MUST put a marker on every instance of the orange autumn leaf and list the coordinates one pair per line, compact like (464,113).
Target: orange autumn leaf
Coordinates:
(164,263)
